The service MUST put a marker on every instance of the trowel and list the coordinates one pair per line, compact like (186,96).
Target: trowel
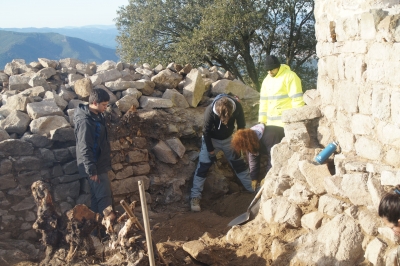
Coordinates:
(251,210)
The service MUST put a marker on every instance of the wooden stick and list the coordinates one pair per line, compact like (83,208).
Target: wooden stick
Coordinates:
(130,214)
(146,223)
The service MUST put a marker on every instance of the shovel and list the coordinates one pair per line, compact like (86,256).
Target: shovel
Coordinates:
(245,216)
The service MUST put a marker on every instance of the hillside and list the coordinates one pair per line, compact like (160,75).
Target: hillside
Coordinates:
(98,34)
(31,46)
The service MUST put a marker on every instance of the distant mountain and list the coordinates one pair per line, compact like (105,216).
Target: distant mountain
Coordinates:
(31,46)
(103,35)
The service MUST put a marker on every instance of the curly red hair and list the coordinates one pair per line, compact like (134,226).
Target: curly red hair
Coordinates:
(245,140)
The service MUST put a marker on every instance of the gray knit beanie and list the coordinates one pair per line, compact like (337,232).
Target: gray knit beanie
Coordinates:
(272,62)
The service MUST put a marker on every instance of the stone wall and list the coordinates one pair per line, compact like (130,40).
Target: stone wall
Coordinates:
(356,103)
(154,121)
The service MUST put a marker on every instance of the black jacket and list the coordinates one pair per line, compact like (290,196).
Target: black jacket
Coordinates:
(92,146)
(272,135)
(213,128)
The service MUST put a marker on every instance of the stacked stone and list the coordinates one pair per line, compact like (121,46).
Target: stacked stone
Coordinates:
(37,139)
(339,210)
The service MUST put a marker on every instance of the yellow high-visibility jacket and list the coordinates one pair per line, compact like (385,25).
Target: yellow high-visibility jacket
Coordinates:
(278,94)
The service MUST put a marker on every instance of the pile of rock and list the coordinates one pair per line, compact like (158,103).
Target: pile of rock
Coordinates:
(150,110)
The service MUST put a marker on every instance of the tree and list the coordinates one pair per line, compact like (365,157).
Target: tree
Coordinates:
(235,35)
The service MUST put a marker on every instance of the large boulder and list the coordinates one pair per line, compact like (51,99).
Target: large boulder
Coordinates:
(43,125)
(54,97)
(15,122)
(235,87)
(43,108)
(19,82)
(176,98)
(193,88)
(82,88)
(166,79)
(338,242)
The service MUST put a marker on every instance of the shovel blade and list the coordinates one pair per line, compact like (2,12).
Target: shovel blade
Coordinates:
(240,219)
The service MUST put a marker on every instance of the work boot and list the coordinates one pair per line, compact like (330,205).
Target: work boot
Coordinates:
(195,205)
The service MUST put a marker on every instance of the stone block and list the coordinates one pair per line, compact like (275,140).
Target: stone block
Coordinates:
(43,108)
(297,133)
(62,155)
(16,147)
(176,145)
(27,163)
(236,87)
(176,98)
(164,153)
(369,222)
(388,134)
(15,122)
(54,97)
(18,102)
(314,175)
(166,79)
(43,125)
(62,134)
(375,190)
(126,102)
(380,104)
(351,90)
(141,169)
(19,82)
(26,204)
(298,194)
(132,91)
(46,72)
(65,190)
(106,65)
(390,178)
(127,171)
(368,148)
(312,221)
(375,251)
(7,181)
(138,155)
(362,124)
(300,114)
(355,188)
(109,75)
(154,102)
(5,167)
(345,138)
(388,234)
(391,157)
(37,141)
(279,210)
(128,185)
(280,154)
(330,205)
(193,88)
(70,168)
(68,178)
(200,251)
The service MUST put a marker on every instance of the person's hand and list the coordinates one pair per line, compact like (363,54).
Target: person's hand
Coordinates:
(262,182)
(95,178)
(254,184)
(212,157)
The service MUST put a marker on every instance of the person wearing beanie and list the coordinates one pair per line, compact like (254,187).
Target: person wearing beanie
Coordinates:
(280,91)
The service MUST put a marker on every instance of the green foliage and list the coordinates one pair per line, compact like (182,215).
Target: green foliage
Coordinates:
(233,34)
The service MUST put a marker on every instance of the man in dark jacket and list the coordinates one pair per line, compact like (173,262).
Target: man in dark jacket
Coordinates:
(93,148)
(219,124)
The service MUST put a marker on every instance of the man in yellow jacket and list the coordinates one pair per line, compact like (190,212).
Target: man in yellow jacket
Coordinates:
(281,90)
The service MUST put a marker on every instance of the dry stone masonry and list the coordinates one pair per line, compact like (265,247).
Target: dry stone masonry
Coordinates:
(356,103)
(155,118)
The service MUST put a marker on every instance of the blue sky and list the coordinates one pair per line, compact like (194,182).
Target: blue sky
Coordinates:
(58,13)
